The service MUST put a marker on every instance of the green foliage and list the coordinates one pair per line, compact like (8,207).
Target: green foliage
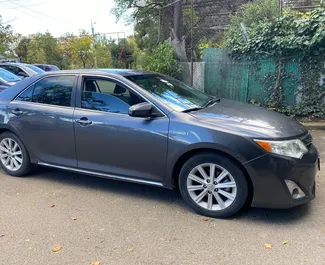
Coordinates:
(162,60)
(122,54)
(22,49)
(43,48)
(285,39)
(147,19)
(251,15)
(103,54)
(7,39)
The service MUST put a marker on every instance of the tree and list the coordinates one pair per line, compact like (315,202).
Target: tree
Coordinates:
(22,49)
(122,54)
(103,53)
(82,50)
(35,53)
(44,48)
(152,23)
(7,39)
(251,15)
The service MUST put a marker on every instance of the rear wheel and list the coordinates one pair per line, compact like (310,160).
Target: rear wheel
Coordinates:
(213,185)
(14,158)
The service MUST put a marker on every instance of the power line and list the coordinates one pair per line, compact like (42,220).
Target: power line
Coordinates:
(22,11)
(4,1)
(24,6)
(40,13)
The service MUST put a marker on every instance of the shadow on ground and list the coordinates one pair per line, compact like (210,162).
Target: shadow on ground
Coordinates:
(272,216)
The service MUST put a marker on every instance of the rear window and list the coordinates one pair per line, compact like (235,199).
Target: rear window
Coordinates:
(34,68)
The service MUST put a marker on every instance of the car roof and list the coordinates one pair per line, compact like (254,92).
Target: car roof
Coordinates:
(15,64)
(122,72)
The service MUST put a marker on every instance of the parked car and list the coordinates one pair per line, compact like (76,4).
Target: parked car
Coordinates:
(21,69)
(7,79)
(151,129)
(48,67)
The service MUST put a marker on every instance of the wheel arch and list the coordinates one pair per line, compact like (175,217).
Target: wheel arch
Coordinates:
(187,155)
(5,128)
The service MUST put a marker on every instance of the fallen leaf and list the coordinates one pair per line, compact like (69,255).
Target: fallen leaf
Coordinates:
(12,235)
(130,249)
(285,242)
(17,194)
(57,248)
(95,263)
(52,205)
(323,231)
(73,218)
(205,219)
(268,245)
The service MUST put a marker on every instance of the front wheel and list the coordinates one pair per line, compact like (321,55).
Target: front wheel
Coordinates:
(14,158)
(213,185)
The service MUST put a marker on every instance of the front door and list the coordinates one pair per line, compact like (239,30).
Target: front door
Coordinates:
(42,114)
(109,141)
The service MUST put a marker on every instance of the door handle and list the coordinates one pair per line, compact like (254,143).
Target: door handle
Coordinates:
(84,121)
(17,112)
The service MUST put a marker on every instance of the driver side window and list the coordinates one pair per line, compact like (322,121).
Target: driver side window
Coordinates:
(108,96)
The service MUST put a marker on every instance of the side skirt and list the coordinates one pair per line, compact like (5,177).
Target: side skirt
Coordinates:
(102,175)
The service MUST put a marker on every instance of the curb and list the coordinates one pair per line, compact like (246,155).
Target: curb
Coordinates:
(314,125)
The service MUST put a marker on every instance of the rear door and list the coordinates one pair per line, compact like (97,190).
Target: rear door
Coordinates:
(109,141)
(42,114)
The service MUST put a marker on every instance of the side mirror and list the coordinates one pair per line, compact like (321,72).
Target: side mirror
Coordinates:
(141,110)
(22,75)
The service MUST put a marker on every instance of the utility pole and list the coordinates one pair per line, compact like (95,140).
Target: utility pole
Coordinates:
(93,33)
(178,11)
(280,7)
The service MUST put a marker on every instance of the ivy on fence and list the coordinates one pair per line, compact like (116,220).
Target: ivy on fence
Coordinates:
(285,39)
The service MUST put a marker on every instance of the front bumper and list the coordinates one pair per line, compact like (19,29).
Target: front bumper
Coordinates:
(269,172)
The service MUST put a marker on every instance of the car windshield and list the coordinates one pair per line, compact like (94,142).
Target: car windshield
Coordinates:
(8,76)
(34,68)
(175,94)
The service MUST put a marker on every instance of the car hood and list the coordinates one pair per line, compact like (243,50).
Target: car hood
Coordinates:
(249,120)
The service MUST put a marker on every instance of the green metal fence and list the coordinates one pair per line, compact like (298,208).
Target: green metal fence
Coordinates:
(243,80)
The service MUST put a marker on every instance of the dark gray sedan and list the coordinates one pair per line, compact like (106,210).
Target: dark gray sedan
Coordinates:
(151,129)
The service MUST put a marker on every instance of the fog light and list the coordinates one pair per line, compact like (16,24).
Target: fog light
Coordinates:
(294,190)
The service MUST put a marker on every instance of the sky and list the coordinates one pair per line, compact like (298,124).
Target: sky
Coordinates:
(61,16)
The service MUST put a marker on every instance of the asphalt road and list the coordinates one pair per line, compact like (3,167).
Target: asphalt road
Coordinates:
(123,223)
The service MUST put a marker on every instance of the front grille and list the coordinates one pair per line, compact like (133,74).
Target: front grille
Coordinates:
(307,140)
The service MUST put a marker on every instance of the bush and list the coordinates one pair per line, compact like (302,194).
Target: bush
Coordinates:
(162,60)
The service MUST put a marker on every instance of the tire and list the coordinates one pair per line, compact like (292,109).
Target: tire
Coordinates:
(17,155)
(223,197)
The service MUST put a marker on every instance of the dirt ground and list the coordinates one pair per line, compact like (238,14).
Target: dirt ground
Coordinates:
(123,223)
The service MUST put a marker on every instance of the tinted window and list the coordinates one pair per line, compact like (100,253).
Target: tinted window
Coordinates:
(105,95)
(39,66)
(172,92)
(26,95)
(51,90)
(14,69)
(54,68)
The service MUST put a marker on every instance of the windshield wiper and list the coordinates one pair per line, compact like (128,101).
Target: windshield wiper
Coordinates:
(212,101)
(190,110)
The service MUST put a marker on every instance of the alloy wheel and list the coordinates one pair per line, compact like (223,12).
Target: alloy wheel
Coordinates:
(11,154)
(211,187)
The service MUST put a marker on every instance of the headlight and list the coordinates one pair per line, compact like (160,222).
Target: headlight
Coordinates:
(291,148)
